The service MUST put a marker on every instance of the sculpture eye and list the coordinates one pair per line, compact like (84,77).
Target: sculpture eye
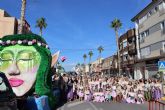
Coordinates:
(6,56)
(26,56)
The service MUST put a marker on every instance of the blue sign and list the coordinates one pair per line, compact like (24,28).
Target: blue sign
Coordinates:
(161,65)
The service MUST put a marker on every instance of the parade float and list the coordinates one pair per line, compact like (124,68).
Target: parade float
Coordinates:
(25,81)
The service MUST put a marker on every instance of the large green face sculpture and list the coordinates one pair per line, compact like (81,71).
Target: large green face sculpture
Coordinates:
(20,64)
(26,61)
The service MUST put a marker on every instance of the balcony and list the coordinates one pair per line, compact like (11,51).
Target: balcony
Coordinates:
(131,33)
(131,46)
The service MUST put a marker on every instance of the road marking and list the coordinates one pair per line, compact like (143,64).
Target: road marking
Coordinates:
(74,104)
(94,107)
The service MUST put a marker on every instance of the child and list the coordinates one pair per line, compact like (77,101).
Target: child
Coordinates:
(140,97)
(81,91)
(96,97)
(102,96)
(88,94)
(113,93)
(131,96)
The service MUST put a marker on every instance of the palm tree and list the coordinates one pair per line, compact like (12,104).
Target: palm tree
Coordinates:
(100,49)
(22,19)
(41,23)
(90,57)
(116,25)
(84,56)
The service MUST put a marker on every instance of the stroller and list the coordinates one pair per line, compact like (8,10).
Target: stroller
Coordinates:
(7,97)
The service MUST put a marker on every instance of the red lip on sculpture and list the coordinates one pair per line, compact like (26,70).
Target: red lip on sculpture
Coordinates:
(15,82)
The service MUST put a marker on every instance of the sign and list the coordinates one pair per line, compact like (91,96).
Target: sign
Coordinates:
(161,66)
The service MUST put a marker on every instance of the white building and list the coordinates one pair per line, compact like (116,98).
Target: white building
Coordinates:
(150,35)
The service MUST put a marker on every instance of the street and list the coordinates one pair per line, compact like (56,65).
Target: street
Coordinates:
(82,55)
(76,105)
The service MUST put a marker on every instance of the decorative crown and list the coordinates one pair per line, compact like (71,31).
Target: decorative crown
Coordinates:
(26,42)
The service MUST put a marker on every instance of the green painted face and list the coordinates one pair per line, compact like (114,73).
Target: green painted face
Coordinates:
(20,64)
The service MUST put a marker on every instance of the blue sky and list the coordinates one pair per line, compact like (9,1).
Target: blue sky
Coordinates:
(77,26)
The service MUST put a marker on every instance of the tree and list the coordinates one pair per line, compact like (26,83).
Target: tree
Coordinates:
(84,56)
(90,57)
(100,49)
(41,23)
(22,19)
(116,25)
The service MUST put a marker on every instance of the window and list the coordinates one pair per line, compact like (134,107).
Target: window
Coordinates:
(156,9)
(162,25)
(141,38)
(163,46)
(146,33)
(143,35)
(145,51)
(125,57)
(124,43)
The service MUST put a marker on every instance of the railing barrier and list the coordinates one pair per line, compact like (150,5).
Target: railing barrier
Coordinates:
(156,105)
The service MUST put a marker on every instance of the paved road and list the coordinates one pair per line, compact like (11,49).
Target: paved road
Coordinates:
(102,106)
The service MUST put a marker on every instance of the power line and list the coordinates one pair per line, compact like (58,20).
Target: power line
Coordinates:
(71,49)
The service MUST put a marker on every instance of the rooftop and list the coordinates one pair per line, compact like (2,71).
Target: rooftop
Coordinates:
(142,11)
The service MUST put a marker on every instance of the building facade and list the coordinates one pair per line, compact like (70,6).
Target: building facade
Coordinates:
(150,35)
(127,47)
(109,65)
(96,66)
(26,27)
(10,25)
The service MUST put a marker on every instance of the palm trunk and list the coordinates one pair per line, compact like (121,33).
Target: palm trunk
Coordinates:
(90,65)
(100,62)
(118,52)
(84,61)
(22,19)
(40,31)
(84,64)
